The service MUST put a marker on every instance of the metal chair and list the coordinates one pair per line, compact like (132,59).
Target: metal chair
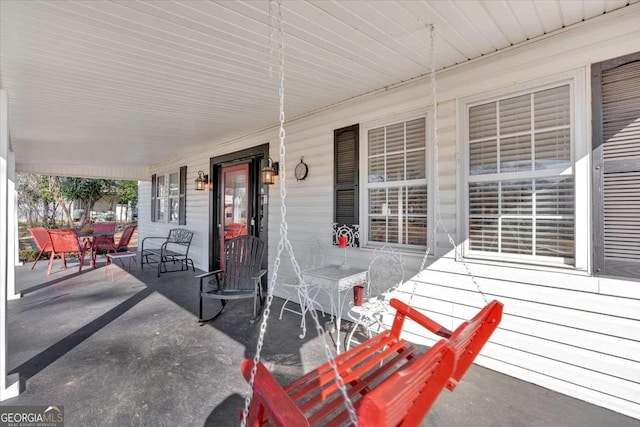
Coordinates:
(42,240)
(125,238)
(384,275)
(240,278)
(105,243)
(309,255)
(121,250)
(174,248)
(63,242)
(123,243)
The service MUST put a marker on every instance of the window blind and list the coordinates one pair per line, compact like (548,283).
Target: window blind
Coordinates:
(396,177)
(520,196)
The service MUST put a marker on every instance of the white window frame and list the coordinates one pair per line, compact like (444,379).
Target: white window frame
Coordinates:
(579,168)
(365,185)
(165,200)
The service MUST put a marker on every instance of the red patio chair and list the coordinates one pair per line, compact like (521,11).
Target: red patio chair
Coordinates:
(42,239)
(63,242)
(235,229)
(106,243)
(123,243)
(125,238)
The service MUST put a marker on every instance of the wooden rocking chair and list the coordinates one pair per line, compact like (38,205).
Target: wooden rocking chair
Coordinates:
(240,278)
(388,382)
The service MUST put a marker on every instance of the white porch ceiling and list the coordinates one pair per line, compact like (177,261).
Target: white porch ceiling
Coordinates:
(137,83)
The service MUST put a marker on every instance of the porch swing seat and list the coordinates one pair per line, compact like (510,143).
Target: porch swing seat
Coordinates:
(388,381)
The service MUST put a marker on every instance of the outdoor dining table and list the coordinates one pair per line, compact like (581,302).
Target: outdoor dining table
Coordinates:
(89,237)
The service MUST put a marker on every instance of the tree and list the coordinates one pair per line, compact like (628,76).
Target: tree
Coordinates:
(127,193)
(55,189)
(88,191)
(35,200)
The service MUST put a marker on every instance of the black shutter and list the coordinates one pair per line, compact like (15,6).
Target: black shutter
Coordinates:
(346,175)
(154,197)
(182,203)
(616,163)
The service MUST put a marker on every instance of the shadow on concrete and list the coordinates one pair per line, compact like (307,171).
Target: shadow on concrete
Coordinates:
(49,355)
(230,409)
(54,281)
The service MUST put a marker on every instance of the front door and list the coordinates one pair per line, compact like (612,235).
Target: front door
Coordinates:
(237,202)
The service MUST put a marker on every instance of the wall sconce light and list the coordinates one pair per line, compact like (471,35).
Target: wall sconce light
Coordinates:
(201,181)
(270,171)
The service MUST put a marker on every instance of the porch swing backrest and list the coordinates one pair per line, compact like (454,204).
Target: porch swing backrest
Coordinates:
(469,338)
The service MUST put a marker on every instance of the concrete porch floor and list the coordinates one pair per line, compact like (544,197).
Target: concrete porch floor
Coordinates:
(130,352)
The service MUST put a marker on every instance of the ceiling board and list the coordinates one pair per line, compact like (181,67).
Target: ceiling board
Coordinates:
(531,25)
(153,80)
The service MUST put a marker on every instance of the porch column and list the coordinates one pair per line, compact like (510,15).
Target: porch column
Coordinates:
(13,238)
(8,389)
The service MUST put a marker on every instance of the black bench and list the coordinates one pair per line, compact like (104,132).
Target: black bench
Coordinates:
(174,249)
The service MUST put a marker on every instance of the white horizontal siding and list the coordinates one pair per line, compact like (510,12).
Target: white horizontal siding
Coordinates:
(561,329)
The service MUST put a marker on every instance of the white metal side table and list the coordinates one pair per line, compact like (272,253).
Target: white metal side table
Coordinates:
(121,256)
(337,282)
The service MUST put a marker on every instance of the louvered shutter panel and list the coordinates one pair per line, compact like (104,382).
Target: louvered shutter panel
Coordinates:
(617,166)
(346,175)
(182,203)
(154,197)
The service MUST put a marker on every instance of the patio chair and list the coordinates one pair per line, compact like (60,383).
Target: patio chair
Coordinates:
(42,241)
(309,255)
(125,238)
(235,229)
(241,277)
(105,243)
(385,273)
(174,249)
(64,242)
(122,245)
(121,249)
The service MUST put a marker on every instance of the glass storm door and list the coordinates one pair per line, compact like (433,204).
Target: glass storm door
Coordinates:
(234,215)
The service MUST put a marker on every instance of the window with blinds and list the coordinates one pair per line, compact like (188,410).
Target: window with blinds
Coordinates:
(168,197)
(520,176)
(397,183)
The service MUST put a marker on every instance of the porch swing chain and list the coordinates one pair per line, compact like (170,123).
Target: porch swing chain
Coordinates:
(284,241)
(439,222)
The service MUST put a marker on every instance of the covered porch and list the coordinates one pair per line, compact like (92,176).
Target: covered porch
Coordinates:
(130,352)
(174,93)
